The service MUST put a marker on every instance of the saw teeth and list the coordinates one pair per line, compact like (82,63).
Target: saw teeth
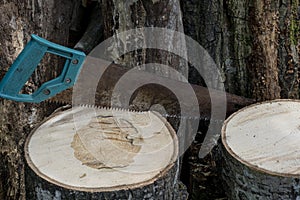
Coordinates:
(116,109)
(63,103)
(57,102)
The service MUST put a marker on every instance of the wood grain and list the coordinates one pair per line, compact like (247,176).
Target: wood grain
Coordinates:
(93,149)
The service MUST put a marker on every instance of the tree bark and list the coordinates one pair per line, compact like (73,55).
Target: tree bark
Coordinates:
(124,16)
(263,61)
(18,20)
(162,188)
(255,44)
(222,28)
(289,48)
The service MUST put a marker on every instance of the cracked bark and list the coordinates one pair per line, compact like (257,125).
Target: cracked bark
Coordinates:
(263,60)
(124,16)
(18,19)
(222,28)
(255,44)
(289,48)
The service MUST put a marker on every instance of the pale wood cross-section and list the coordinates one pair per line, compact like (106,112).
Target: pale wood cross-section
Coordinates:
(261,151)
(267,136)
(102,150)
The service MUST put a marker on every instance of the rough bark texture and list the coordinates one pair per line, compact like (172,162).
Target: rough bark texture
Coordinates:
(255,43)
(242,182)
(162,189)
(18,20)
(222,28)
(127,15)
(123,16)
(263,61)
(289,48)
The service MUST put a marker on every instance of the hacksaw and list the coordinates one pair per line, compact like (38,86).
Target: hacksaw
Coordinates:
(59,89)
(30,57)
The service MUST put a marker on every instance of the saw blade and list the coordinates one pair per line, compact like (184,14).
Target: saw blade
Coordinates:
(151,93)
(65,98)
(165,115)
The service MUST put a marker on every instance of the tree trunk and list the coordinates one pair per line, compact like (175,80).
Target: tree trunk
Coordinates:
(92,153)
(124,16)
(255,43)
(256,46)
(260,152)
(18,20)
(263,61)
(222,28)
(289,48)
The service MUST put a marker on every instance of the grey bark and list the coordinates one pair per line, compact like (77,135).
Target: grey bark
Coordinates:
(222,28)
(18,19)
(245,183)
(165,188)
(289,48)
(122,16)
(254,43)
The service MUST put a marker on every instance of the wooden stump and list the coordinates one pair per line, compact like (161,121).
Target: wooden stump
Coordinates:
(95,153)
(261,151)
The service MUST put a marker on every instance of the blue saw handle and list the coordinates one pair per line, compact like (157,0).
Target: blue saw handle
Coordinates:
(28,60)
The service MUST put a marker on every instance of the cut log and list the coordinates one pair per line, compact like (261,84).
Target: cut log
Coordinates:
(260,146)
(97,153)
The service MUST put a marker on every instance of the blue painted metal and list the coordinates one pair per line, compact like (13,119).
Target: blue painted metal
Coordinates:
(28,60)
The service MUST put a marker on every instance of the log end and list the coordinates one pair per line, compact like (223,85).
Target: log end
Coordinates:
(260,151)
(102,150)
